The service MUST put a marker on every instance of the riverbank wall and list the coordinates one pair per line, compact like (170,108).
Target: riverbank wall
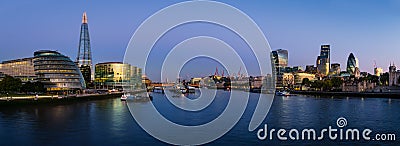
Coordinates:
(350,94)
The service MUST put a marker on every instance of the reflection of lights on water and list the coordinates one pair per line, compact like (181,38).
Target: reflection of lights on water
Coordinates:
(285,97)
(390,101)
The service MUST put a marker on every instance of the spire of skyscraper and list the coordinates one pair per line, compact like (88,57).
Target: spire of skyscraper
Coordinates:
(84,58)
(84,18)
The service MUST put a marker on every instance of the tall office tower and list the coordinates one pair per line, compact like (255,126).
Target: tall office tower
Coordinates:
(84,58)
(280,60)
(323,60)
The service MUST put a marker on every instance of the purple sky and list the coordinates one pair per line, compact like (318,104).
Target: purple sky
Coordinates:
(369,29)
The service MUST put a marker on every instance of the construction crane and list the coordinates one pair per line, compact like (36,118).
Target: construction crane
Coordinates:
(216,71)
(240,69)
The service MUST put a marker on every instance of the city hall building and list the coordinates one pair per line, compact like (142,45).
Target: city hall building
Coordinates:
(55,70)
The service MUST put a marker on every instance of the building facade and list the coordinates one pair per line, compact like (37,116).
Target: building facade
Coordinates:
(394,75)
(378,71)
(298,77)
(335,69)
(352,64)
(280,59)
(19,68)
(323,60)
(84,58)
(311,69)
(57,72)
(117,75)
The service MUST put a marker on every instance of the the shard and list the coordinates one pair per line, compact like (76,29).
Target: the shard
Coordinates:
(84,58)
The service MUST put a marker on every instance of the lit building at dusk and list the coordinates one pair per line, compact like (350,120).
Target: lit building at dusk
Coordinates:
(335,69)
(394,75)
(280,61)
(19,68)
(352,64)
(117,75)
(84,58)
(57,72)
(378,71)
(311,69)
(280,58)
(323,60)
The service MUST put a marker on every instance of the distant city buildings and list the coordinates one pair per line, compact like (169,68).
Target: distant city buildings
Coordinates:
(280,59)
(84,57)
(295,78)
(335,69)
(56,71)
(311,69)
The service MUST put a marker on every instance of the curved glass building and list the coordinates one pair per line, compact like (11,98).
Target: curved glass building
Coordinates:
(352,64)
(57,72)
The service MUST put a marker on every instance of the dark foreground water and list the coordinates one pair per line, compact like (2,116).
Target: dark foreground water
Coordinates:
(109,122)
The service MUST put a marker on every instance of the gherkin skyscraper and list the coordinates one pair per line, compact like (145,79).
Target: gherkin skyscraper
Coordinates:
(352,64)
(84,58)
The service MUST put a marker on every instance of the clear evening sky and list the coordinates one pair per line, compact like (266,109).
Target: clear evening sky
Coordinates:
(368,28)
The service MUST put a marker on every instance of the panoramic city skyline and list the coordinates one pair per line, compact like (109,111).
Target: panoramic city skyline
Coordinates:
(368,29)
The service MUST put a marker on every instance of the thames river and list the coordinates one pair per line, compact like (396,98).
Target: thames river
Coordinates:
(109,122)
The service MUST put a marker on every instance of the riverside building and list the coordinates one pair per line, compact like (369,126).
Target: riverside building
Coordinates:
(19,68)
(117,75)
(57,72)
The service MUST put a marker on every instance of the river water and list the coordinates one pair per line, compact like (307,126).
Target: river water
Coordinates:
(109,122)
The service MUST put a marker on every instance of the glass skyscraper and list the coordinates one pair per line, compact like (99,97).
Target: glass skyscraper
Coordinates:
(352,64)
(280,59)
(84,58)
(323,60)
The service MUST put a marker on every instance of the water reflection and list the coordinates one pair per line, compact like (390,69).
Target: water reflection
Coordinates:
(109,122)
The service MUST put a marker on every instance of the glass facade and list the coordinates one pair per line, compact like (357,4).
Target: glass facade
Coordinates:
(352,64)
(117,75)
(57,72)
(280,59)
(84,58)
(323,60)
(19,68)
(335,69)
